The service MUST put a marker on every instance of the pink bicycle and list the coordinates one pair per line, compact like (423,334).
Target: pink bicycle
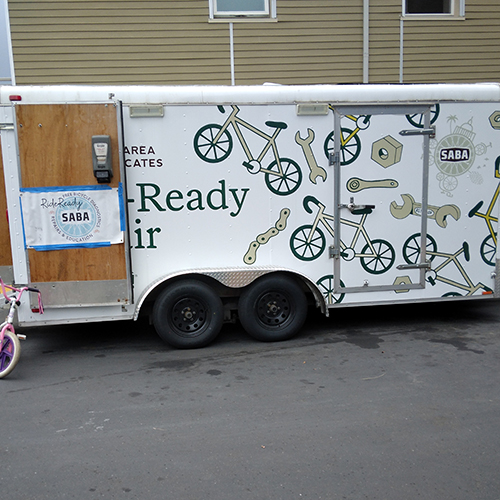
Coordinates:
(10,347)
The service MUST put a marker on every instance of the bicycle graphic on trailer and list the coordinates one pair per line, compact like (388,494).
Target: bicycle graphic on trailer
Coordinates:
(308,242)
(489,244)
(350,144)
(412,252)
(213,143)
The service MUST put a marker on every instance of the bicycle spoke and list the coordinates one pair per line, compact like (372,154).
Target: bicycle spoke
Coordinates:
(308,249)
(306,243)
(380,259)
(211,148)
(283,178)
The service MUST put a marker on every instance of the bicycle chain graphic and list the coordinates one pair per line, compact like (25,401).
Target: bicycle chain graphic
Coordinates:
(251,255)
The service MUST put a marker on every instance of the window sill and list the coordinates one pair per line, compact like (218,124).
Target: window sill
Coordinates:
(431,17)
(243,20)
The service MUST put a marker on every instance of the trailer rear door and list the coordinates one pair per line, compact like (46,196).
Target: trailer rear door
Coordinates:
(381,163)
(82,264)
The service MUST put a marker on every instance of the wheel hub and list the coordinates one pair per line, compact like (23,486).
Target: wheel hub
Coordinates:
(273,309)
(189,315)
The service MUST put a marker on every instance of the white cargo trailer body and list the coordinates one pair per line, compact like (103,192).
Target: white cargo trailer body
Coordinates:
(197,204)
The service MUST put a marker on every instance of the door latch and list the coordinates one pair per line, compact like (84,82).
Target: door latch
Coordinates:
(431,132)
(357,209)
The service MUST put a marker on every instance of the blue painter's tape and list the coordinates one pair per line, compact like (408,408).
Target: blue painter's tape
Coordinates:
(56,189)
(45,248)
(122,207)
(22,221)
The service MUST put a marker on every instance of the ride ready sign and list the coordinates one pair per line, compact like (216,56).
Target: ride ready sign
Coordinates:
(55,218)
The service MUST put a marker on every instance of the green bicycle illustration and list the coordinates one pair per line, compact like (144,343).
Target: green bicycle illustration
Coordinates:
(350,144)
(213,143)
(308,242)
(417,119)
(325,284)
(489,244)
(411,254)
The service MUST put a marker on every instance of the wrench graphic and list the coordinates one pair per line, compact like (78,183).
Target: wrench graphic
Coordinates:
(411,207)
(305,144)
(355,184)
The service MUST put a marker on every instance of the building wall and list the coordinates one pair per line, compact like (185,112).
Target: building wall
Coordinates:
(314,41)
(458,51)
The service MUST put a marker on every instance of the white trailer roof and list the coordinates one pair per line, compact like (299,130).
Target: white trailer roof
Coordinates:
(262,94)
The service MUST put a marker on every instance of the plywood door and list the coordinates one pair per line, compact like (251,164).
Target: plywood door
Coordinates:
(55,150)
(5,250)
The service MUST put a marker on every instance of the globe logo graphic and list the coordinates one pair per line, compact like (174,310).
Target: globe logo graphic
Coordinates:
(76,217)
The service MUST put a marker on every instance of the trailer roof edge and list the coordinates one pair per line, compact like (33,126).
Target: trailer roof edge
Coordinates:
(261,94)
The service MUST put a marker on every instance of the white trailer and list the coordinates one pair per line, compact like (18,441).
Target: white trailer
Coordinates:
(197,205)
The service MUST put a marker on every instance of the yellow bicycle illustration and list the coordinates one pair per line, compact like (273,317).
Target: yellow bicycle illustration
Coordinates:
(350,144)
(308,242)
(489,244)
(213,143)
(412,252)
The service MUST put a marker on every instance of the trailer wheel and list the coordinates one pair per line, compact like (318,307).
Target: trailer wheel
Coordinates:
(188,314)
(273,308)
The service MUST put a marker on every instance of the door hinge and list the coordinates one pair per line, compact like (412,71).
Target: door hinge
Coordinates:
(6,126)
(333,252)
(333,158)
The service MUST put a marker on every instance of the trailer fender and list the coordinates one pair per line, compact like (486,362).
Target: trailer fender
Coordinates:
(230,278)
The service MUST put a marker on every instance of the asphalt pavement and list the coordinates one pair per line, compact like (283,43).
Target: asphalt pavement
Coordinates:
(394,402)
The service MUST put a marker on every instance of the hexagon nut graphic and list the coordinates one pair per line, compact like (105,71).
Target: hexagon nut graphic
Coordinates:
(402,280)
(495,120)
(387,151)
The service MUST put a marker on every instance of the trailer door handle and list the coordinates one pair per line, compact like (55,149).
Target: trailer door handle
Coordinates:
(358,209)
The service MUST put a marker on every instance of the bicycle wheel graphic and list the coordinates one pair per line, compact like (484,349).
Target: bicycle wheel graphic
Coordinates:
(489,250)
(210,150)
(284,183)
(304,249)
(325,284)
(349,150)
(412,248)
(382,260)
(417,119)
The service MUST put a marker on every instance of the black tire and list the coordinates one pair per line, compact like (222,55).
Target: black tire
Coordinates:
(273,308)
(188,314)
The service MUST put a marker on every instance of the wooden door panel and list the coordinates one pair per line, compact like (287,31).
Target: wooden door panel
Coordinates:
(55,150)
(5,249)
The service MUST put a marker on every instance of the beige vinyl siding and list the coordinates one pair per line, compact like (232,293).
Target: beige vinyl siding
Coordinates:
(458,51)
(450,50)
(313,41)
(384,41)
(117,42)
(172,42)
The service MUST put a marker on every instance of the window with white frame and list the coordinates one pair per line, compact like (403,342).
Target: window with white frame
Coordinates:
(455,8)
(238,9)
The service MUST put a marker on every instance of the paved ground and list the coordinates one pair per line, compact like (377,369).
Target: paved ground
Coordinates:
(374,403)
